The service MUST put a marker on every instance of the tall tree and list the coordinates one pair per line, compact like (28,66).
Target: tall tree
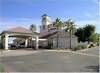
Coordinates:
(89,29)
(58,25)
(70,28)
(94,38)
(98,39)
(86,33)
(0,42)
(80,34)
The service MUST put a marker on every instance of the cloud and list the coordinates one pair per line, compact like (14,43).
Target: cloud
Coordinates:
(87,22)
(6,23)
(26,2)
(96,1)
(91,15)
(82,23)
(87,14)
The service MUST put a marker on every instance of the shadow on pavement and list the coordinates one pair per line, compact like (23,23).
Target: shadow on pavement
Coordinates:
(94,68)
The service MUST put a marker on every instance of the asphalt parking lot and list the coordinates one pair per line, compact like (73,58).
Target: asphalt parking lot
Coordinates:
(53,61)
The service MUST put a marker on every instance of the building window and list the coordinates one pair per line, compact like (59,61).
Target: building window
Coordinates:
(44,19)
(43,26)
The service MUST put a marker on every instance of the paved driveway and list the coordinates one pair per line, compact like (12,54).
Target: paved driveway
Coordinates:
(52,61)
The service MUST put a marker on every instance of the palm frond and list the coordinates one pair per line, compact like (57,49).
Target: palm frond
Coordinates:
(33,28)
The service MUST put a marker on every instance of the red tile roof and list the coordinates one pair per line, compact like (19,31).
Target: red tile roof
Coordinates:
(48,34)
(19,30)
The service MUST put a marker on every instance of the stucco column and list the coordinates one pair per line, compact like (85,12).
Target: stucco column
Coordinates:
(6,41)
(37,42)
(26,42)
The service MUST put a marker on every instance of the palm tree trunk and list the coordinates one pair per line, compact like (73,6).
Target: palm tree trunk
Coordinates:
(57,37)
(70,39)
(32,41)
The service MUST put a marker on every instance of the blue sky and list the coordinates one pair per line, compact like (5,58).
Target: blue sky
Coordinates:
(25,12)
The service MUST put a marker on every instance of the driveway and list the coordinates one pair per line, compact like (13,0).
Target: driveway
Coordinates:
(94,51)
(51,61)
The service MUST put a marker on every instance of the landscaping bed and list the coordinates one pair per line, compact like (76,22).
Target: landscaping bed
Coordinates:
(80,47)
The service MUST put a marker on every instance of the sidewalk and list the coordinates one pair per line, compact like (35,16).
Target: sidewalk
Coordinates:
(16,52)
(28,52)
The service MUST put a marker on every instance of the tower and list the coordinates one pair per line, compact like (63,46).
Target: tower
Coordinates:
(45,22)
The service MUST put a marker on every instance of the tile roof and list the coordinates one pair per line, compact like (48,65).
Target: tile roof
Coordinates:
(19,30)
(48,34)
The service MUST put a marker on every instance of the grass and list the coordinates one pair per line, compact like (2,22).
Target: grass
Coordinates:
(1,68)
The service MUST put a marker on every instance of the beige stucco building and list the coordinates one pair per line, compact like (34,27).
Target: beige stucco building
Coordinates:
(49,31)
(49,36)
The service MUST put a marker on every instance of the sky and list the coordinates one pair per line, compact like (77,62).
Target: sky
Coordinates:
(23,13)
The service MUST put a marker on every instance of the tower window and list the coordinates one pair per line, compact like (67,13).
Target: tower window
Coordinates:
(44,18)
(43,26)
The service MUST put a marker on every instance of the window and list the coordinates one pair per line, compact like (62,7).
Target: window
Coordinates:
(43,26)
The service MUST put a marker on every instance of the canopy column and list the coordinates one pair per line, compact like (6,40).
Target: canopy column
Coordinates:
(26,42)
(6,41)
(37,42)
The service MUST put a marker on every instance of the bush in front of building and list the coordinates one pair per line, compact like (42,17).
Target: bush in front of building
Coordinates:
(79,47)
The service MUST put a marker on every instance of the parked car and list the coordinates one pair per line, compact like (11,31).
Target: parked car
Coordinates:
(13,46)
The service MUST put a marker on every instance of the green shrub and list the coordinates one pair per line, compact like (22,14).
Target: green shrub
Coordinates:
(79,47)
(83,46)
(98,44)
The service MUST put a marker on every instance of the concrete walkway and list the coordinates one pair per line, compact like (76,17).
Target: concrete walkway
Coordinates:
(88,52)
(50,61)
(17,52)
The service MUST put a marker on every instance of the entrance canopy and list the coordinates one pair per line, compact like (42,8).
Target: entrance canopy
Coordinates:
(18,32)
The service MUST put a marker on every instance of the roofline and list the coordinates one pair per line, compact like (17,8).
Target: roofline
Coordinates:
(50,34)
(36,33)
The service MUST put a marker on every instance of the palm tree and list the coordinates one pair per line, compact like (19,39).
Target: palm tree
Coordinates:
(33,29)
(58,24)
(70,28)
